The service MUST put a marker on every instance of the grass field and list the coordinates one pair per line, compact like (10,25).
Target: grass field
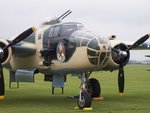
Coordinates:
(37,97)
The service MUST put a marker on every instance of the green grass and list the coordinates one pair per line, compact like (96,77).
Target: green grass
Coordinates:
(37,97)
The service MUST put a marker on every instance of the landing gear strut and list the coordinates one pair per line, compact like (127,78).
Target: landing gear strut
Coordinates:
(84,100)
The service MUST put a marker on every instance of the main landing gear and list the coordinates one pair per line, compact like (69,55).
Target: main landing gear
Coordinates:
(90,88)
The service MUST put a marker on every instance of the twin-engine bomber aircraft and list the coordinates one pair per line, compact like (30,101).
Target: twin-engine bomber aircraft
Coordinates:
(57,49)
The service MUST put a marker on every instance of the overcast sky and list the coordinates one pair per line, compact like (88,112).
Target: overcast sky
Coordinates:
(127,19)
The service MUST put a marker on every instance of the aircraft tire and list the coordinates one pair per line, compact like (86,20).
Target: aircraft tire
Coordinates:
(86,100)
(94,87)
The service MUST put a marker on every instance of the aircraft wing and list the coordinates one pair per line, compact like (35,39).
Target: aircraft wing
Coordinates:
(24,48)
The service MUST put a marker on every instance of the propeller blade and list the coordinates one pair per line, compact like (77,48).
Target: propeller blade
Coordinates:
(121,80)
(20,37)
(2,87)
(138,42)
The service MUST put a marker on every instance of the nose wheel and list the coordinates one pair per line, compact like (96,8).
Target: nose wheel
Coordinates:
(85,100)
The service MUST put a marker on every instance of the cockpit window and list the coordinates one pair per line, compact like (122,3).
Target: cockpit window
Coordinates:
(56,31)
(51,32)
(64,30)
(67,29)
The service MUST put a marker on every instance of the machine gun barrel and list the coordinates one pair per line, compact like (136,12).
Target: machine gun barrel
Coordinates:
(64,15)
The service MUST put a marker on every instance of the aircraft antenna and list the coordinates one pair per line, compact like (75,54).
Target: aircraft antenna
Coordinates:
(64,15)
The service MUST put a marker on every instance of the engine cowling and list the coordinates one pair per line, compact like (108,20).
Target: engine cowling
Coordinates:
(7,53)
(115,59)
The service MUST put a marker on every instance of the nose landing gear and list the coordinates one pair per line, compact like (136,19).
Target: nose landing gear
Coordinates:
(84,100)
(90,88)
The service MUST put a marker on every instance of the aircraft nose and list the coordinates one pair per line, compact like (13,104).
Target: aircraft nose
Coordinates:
(98,51)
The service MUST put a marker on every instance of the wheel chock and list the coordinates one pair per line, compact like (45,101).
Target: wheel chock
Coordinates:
(76,108)
(98,98)
(85,109)
(121,94)
(2,97)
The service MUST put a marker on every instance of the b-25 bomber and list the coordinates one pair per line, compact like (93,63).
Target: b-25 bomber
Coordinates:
(57,49)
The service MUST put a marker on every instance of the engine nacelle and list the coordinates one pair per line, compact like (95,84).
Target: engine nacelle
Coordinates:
(114,60)
(7,53)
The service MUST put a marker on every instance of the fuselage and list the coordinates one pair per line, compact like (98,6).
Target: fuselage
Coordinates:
(65,47)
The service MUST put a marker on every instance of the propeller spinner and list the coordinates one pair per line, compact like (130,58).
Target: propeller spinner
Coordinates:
(18,39)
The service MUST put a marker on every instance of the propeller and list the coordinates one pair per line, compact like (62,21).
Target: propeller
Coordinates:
(122,55)
(18,39)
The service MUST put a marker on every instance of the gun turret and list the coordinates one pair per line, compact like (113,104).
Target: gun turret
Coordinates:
(57,20)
